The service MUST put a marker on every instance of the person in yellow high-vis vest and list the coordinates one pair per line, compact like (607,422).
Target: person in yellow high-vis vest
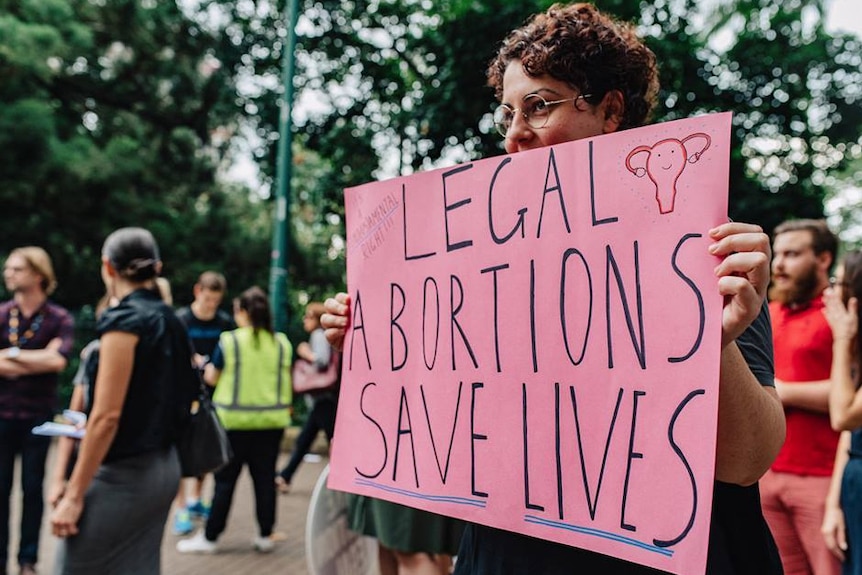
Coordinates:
(250,370)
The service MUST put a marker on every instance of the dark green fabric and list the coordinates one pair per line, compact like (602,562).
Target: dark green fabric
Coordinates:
(402,528)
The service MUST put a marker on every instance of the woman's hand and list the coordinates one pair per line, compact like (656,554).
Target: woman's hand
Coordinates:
(844,321)
(64,518)
(334,320)
(743,274)
(834,532)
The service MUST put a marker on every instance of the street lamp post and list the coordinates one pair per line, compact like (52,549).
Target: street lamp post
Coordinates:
(284,170)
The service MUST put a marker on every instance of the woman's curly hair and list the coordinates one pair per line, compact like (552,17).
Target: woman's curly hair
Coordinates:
(589,50)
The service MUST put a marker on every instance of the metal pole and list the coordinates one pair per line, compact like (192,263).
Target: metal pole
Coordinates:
(284,171)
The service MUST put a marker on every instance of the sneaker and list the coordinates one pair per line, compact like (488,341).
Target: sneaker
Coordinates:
(196,544)
(183,522)
(263,544)
(199,510)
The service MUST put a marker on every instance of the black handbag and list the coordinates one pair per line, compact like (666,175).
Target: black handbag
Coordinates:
(204,446)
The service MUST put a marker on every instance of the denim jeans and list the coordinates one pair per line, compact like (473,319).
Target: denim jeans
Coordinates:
(15,439)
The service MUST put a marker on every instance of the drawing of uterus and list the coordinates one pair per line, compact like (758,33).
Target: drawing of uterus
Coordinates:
(664,163)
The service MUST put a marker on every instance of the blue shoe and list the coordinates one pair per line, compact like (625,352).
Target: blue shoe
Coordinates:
(183,522)
(199,510)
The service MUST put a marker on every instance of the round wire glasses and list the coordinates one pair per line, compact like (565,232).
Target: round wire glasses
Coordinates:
(536,110)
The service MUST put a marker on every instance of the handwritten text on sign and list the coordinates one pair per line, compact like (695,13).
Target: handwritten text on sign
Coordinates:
(534,341)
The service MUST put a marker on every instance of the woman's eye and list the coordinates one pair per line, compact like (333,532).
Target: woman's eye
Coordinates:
(538,107)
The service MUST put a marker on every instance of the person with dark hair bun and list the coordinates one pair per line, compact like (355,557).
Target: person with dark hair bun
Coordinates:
(111,513)
(574,72)
(250,369)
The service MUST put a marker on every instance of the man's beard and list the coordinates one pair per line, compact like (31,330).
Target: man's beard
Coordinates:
(802,289)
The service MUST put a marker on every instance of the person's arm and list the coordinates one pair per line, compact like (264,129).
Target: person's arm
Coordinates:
(9,368)
(213,369)
(845,401)
(65,448)
(834,526)
(33,361)
(810,395)
(211,375)
(751,424)
(53,358)
(303,351)
(117,356)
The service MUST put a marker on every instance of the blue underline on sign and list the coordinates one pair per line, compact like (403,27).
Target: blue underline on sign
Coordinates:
(598,533)
(383,219)
(415,495)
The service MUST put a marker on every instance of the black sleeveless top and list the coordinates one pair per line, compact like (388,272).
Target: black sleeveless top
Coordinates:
(163,383)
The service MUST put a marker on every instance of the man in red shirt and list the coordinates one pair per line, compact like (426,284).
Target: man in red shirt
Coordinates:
(794,490)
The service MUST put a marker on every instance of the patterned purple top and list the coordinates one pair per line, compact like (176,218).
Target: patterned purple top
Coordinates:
(33,396)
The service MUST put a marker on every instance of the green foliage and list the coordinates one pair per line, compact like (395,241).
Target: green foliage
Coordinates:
(112,114)
(401,84)
(846,198)
(116,114)
(793,89)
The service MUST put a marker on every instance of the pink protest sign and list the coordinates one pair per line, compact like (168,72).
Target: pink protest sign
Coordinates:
(534,341)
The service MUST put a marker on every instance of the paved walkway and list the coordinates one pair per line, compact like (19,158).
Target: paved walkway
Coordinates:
(235,550)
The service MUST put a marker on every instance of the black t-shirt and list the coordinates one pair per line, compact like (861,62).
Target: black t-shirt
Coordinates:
(163,383)
(740,542)
(205,333)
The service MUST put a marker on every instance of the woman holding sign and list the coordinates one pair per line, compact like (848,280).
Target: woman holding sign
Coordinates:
(574,72)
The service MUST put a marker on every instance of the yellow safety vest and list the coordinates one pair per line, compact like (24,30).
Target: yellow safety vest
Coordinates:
(254,390)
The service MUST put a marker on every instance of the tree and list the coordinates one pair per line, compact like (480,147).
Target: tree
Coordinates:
(401,85)
(844,199)
(791,87)
(101,133)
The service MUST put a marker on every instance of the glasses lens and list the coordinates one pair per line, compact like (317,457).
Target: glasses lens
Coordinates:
(503,119)
(537,110)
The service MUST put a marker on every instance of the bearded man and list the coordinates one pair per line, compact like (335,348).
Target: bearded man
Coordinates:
(794,490)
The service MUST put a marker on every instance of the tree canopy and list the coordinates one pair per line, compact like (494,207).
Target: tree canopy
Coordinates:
(408,79)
